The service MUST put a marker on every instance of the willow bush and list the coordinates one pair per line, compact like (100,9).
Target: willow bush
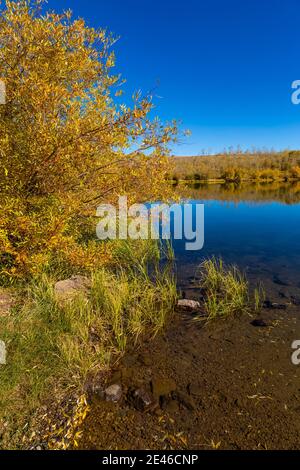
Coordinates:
(67,142)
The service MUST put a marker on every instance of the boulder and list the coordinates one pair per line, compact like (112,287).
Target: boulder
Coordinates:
(67,289)
(188,304)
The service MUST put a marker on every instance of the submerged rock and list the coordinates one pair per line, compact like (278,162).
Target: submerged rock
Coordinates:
(274,305)
(278,281)
(188,304)
(113,393)
(259,322)
(2,353)
(67,289)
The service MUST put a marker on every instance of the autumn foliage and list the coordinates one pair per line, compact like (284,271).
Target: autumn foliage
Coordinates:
(66,141)
(236,166)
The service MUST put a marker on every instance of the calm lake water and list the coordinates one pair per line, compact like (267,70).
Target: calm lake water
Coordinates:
(254,227)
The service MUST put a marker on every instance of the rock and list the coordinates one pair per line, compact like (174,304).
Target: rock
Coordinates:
(6,302)
(274,305)
(188,304)
(67,289)
(295,300)
(259,322)
(142,399)
(2,353)
(279,306)
(113,393)
(162,386)
(267,304)
(279,281)
(185,400)
(282,295)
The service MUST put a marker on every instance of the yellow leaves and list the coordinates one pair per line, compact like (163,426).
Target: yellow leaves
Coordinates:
(215,445)
(63,138)
(69,435)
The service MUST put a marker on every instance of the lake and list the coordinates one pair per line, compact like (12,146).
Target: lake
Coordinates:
(256,227)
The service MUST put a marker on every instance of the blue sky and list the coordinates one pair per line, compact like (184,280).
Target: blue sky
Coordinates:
(222,67)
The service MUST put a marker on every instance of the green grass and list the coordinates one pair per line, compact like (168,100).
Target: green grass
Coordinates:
(259,297)
(54,348)
(225,289)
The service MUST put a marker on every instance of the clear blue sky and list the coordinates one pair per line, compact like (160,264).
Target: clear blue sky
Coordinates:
(223,67)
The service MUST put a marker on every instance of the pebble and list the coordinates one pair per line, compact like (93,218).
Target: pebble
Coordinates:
(113,393)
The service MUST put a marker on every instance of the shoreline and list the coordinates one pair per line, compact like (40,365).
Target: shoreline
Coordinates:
(226,181)
(220,389)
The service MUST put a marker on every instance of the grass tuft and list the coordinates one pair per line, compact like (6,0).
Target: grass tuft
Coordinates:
(225,289)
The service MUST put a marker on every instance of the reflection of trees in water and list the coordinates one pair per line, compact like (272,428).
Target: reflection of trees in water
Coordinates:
(288,193)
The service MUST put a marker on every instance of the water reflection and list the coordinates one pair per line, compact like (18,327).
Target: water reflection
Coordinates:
(256,227)
(288,193)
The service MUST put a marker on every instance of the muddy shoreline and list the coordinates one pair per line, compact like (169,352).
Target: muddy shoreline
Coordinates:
(235,388)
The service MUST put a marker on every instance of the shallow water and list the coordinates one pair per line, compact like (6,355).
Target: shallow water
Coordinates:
(254,227)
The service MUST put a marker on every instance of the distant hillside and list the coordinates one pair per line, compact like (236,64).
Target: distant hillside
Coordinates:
(269,166)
